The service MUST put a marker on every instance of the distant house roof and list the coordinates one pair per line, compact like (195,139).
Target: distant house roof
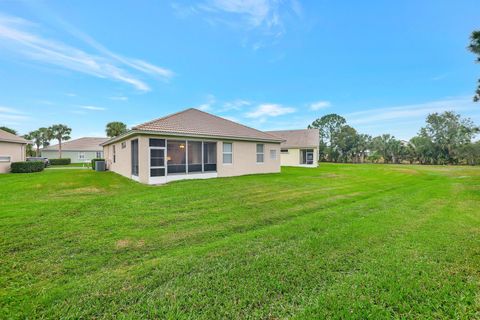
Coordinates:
(306,138)
(193,122)
(81,144)
(9,137)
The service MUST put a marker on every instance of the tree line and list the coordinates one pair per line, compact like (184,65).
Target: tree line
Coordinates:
(446,138)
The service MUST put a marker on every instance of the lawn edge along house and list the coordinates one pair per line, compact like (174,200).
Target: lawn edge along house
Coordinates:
(191,144)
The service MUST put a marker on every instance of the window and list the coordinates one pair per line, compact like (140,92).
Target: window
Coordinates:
(176,156)
(260,153)
(114,154)
(157,142)
(99,154)
(124,144)
(273,154)
(5,158)
(209,156)
(81,156)
(283,150)
(134,152)
(227,153)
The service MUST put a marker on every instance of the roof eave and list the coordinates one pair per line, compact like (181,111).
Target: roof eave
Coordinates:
(182,134)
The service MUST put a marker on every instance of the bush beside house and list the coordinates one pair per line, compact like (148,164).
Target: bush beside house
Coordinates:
(27,166)
(58,162)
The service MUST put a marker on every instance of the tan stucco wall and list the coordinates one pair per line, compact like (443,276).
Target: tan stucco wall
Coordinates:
(292,158)
(244,157)
(73,155)
(16,151)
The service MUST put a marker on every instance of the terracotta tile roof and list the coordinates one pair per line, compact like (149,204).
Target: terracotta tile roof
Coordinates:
(8,137)
(298,138)
(200,123)
(81,144)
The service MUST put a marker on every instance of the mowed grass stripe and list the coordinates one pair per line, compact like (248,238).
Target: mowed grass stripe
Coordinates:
(286,259)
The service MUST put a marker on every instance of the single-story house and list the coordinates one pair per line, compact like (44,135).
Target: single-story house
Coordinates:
(299,147)
(12,149)
(191,144)
(78,150)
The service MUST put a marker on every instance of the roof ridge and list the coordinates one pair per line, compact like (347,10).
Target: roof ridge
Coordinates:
(213,115)
(162,118)
(292,130)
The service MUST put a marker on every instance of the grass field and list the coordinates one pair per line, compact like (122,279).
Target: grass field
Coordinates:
(340,241)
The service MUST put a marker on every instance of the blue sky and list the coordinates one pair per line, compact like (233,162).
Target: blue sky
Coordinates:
(270,64)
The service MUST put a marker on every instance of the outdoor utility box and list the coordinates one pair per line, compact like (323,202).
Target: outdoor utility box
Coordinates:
(99,165)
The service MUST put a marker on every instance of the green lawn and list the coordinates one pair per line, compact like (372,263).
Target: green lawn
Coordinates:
(340,241)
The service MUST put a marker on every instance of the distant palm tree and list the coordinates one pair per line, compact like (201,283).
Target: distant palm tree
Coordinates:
(45,136)
(36,138)
(116,128)
(60,132)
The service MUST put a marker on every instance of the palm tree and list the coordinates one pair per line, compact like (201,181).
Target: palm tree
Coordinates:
(115,128)
(36,138)
(45,136)
(60,132)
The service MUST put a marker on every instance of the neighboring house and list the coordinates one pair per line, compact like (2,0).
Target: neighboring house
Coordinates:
(299,147)
(78,150)
(12,149)
(191,144)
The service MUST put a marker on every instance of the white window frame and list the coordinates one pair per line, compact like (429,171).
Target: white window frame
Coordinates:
(81,155)
(99,154)
(9,159)
(260,153)
(224,153)
(273,154)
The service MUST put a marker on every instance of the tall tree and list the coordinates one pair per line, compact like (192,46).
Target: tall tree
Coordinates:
(328,125)
(45,136)
(447,132)
(345,142)
(10,130)
(36,138)
(60,132)
(115,128)
(364,142)
(475,48)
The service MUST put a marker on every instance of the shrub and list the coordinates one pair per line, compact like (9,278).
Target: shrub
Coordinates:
(27,166)
(95,160)
(58,162)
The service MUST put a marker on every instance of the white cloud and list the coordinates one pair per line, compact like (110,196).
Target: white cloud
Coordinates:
(93,108)
(320,105)
(207,106)
(269,110)
(119,98)
(11,116)
(235,105)
(265,16)
(18,38)
(421,110)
